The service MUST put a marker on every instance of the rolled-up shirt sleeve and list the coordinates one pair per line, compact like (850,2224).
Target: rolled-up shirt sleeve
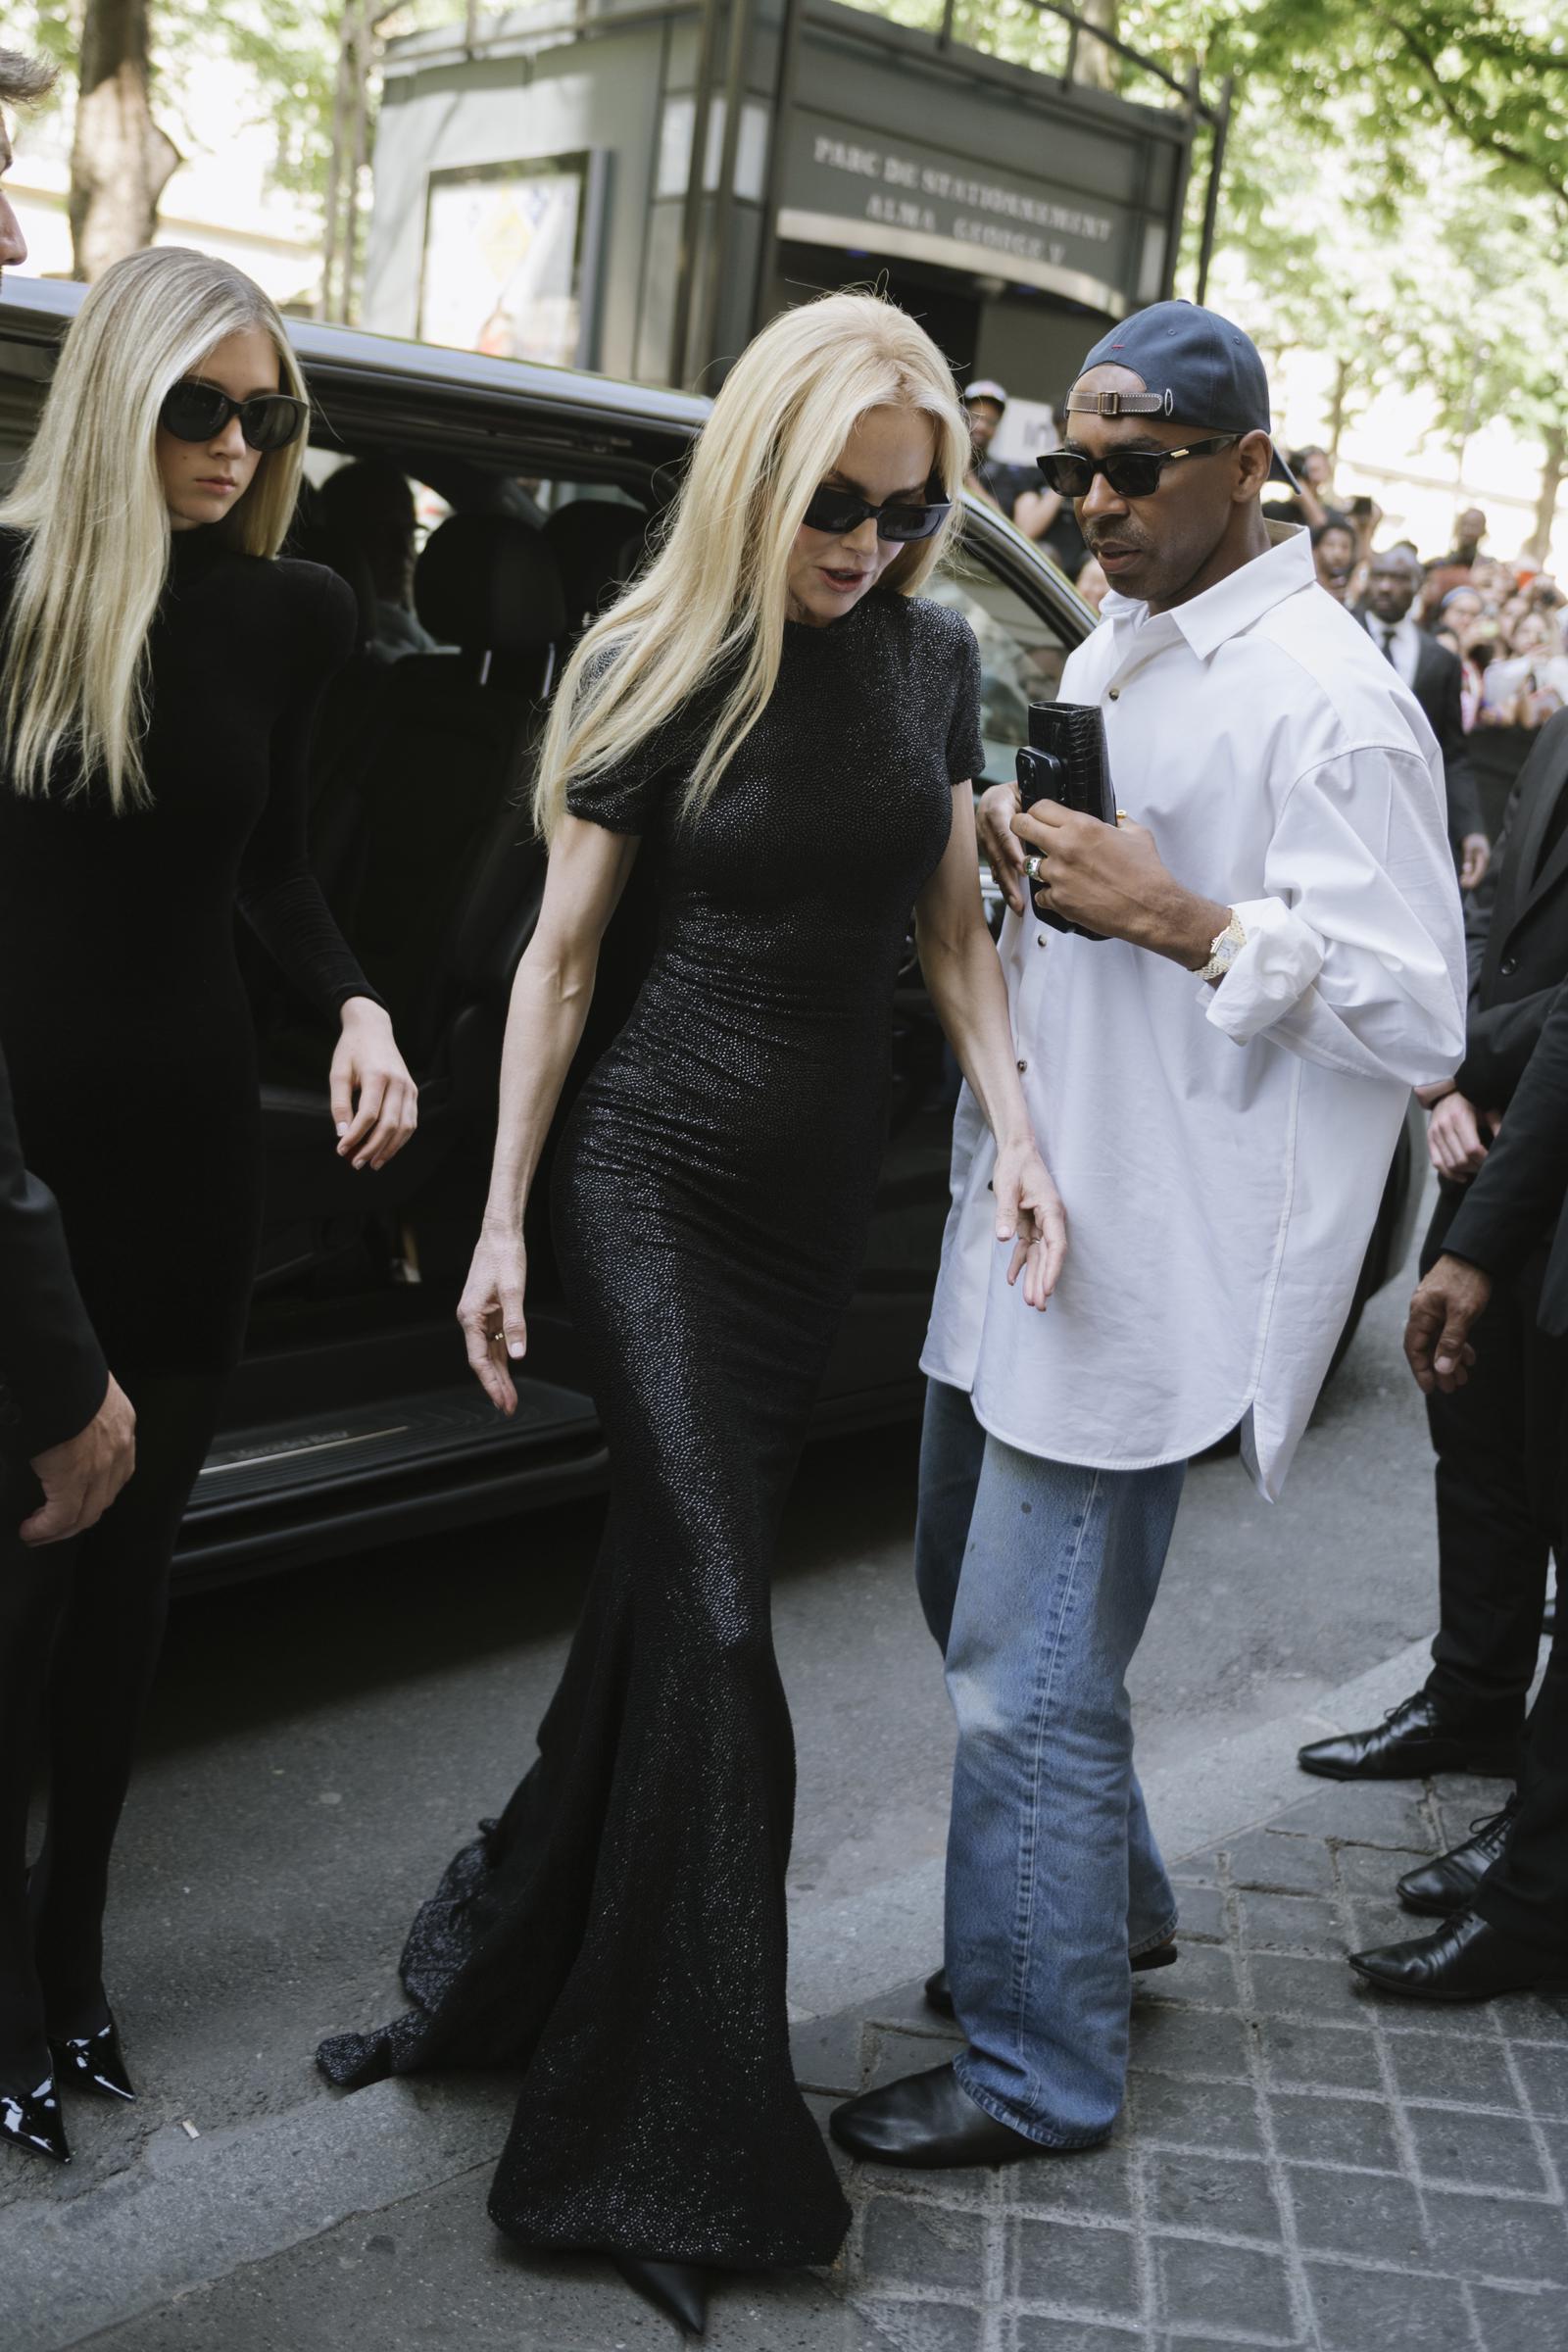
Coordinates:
(1354,955)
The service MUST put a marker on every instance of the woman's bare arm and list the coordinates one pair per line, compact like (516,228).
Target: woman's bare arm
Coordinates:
(550,1000)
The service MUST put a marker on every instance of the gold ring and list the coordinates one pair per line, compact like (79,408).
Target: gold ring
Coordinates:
(1121,816)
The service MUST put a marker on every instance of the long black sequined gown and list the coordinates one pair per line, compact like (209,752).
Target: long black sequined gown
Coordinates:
(621,1929)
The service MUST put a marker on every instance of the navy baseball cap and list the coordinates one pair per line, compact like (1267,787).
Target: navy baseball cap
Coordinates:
(1194,365)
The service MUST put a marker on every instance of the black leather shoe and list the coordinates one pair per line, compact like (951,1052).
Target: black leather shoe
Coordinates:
(939,1997)
(1411,1741)
(33,2123)
(1463,1960)
(93,2062)
(929,2123)
(1447,1885)
(680,2289)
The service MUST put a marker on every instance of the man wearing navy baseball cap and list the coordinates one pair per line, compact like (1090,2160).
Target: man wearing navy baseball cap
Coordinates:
(1218,1072)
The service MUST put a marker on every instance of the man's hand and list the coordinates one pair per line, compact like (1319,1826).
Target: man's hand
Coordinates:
(82,1478)
(994,813)
(1455,1145)
(1475,856)
(1110,879)
(1437,1344)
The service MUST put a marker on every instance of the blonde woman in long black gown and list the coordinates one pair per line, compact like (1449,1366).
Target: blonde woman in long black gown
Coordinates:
(777,719)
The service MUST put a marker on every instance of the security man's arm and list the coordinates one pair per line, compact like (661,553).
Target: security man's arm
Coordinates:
(50,1359)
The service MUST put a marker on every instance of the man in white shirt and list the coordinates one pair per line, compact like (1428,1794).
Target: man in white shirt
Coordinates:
(1218,1080)
(1434,677)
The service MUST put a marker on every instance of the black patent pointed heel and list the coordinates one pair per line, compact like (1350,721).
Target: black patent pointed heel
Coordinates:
(33,2123)
(680,2289)
(94,2062)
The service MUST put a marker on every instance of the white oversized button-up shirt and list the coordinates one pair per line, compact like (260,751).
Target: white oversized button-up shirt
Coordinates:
(1222,1151)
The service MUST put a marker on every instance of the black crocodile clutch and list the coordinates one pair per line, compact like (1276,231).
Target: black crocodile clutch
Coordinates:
(1066,761)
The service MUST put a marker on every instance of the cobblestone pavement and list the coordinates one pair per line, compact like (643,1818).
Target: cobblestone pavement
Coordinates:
(1302,2161)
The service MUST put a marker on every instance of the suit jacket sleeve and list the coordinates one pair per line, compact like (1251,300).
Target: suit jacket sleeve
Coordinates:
(1464,797)
(1519,1192)
(50,1359)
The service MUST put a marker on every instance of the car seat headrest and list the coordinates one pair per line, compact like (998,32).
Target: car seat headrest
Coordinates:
(598,544)
(489,583)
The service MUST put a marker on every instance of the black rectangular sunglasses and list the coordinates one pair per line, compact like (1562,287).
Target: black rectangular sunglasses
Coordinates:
(840,512)
(1131,473)
(194,411)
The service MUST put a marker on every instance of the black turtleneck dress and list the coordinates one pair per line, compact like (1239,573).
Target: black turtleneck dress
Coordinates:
(619,1932)
(134,1070)
(125,1023)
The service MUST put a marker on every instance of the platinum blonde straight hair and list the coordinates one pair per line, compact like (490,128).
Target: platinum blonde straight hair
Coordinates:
(91,501)
(718,590)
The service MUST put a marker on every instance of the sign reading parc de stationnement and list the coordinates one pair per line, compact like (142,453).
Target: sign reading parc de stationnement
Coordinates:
(846,188)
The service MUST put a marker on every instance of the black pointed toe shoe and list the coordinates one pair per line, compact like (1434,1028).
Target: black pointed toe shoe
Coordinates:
(680,2289)
(1448,1885)
(939,1993)
(1463,1960)
(33,2123)
(94,2062)
(928,2123)
(1411,1741)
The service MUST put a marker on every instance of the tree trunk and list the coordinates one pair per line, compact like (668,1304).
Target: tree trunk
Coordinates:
(1554,459)
(1094,65)
(1337,407)
(120,161)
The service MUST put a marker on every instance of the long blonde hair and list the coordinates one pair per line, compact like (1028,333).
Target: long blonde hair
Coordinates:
(716,592)
(91,501)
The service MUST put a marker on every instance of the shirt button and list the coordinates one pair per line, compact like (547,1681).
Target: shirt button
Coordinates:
(1509,966)
(1024,1065)
(1041,941)
(1115,693)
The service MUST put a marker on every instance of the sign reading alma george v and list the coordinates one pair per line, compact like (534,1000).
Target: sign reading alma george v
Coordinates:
(843,186)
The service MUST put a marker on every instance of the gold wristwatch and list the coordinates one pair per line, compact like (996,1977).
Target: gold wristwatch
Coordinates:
(1223,949)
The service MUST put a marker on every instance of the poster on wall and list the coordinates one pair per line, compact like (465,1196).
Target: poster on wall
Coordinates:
(503,259)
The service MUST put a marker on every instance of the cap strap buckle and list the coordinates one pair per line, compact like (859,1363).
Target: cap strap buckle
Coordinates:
(1120,404)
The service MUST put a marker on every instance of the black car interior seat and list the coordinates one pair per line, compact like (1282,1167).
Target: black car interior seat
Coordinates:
(439,784)
(599,543)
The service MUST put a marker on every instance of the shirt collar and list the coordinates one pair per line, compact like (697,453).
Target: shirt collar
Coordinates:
(1234,603)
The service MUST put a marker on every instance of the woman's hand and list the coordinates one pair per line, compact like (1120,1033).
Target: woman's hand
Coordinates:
(490,1312)
(1030,1214)
(1004,851)
(368,1065)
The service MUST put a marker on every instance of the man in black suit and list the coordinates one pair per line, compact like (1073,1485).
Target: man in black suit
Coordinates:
(1495,1437)
(64,1425)
(1434,677)
(61,1413)
(1508,1932)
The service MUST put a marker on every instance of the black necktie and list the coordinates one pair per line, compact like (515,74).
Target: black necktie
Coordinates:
(1388,642)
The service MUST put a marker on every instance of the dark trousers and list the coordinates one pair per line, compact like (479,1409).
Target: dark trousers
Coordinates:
(1495,1440)
(1525,1893)
(80,1628)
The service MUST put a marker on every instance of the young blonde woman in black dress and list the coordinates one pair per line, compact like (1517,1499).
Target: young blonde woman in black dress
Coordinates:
(159,672)
(785,731)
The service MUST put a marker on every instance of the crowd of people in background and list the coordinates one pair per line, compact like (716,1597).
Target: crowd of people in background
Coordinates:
(1504,624)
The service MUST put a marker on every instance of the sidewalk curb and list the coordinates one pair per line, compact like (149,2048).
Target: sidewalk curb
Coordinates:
(852,1950)
(192,2212)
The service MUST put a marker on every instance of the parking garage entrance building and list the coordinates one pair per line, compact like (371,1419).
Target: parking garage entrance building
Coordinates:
(534,192)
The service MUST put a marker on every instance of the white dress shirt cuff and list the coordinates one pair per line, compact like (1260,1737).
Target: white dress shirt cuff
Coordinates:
(1272,973)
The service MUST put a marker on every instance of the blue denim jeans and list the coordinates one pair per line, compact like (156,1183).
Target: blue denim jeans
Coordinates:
(1037,1580)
